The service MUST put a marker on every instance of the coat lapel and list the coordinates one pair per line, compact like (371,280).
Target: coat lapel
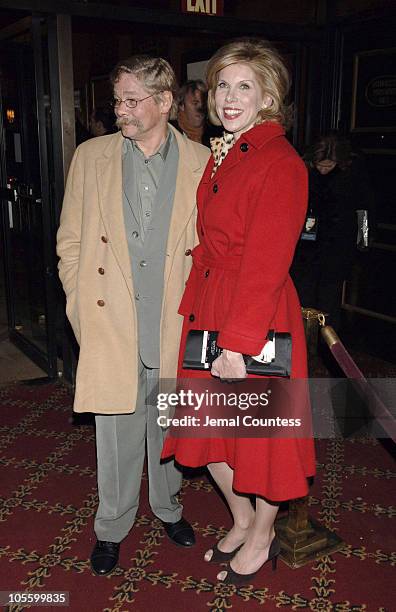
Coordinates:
(188,175)
(256,137)
(109,178)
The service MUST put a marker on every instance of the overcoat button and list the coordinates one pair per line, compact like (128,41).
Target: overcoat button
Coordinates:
(207,273)
(215,188)
(135,234)
(188,252)
(244,147)
(104,239)
(191,317)
(100,303)
(101,270)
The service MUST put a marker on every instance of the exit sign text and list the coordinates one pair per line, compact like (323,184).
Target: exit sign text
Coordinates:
(206,7)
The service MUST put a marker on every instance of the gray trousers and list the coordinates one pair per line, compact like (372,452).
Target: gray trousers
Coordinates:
(120,444)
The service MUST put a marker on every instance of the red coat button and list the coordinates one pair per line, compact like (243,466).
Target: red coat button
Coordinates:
(188,252)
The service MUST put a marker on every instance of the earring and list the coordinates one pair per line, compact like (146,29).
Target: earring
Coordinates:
(267,104)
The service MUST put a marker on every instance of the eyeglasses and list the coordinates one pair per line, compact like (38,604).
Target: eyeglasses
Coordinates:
(130,102)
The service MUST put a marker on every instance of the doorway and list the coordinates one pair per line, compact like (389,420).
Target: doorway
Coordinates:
(28,227)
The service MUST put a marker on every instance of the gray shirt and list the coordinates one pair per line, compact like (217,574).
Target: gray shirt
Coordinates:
(148,191)
(145,174)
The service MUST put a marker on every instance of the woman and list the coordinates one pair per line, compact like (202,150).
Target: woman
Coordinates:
(251,206)
(338,187)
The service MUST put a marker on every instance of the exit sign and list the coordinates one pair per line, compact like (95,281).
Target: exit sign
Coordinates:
(205,7)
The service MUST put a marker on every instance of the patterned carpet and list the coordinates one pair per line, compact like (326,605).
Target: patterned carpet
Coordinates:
(48,500)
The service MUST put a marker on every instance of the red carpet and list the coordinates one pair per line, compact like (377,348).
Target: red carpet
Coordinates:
(48,500)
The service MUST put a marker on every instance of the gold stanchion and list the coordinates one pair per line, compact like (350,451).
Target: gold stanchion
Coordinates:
(310,318)
(303,539)
(311,327)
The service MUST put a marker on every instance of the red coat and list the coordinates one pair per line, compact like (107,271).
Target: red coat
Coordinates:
(250,215)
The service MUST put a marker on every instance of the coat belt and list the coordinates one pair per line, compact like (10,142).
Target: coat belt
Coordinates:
(227,263)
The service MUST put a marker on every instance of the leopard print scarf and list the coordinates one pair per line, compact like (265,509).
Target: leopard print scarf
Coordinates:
(220,147)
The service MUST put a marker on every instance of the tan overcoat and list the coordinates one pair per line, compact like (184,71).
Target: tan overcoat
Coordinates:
(95,271)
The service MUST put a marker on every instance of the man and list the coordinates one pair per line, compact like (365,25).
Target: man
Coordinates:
(192,113)
(124,242)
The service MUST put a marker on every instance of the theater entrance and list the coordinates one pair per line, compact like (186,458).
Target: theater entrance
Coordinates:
(26,191)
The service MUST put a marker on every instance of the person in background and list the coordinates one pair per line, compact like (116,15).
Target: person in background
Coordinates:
(126,232)
(102,121)
(192,117)
(338,187)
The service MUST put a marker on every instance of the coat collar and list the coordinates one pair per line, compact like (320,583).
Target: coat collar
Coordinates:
(257,137)
(260,134)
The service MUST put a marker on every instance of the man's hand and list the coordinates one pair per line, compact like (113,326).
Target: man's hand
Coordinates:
(229,366)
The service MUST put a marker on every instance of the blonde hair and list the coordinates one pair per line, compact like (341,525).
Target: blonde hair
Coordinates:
(269,68)
(155,73)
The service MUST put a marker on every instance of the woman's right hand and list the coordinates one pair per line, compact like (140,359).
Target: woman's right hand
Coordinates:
(229,366)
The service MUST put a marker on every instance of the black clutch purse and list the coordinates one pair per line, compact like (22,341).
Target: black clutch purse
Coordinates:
(202,349)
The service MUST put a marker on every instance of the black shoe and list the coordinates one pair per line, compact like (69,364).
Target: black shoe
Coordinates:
(181,533)
(218,556)
(104,557)
(232,577)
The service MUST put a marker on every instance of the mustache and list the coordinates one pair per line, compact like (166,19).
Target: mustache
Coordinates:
(123,121)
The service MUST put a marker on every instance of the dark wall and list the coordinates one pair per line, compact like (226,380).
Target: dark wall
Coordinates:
(363,51)
(368,51)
